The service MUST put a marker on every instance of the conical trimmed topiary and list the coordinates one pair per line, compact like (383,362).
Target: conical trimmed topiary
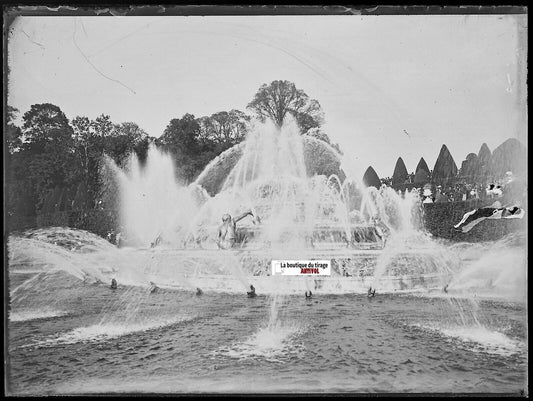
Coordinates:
(371,179)
(484,153)
(400,175)
(421,177)
(483,163)
(445,169)
(469,167)
(422,165)
(509,156)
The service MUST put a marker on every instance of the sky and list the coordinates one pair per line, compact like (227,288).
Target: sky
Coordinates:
(389,86)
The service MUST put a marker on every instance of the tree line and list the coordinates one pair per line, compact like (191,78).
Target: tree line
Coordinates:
(54,163)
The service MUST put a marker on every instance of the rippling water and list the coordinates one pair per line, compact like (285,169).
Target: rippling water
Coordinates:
(92,339)
(68,333)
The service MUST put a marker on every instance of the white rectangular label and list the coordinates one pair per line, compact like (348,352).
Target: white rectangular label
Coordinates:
(301,267)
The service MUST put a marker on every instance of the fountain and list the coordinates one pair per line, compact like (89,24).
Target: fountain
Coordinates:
(303,216)
(373,237)
(459,299)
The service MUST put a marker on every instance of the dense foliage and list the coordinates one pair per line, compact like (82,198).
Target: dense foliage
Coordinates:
(281,98)
(53,164)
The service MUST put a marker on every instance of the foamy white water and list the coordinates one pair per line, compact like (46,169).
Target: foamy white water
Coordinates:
(26,315)
(479,338)
(273,343)
(495,268)
(278,338)
(104,332)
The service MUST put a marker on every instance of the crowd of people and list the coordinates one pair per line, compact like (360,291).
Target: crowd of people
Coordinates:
(462,192)
(457,191)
